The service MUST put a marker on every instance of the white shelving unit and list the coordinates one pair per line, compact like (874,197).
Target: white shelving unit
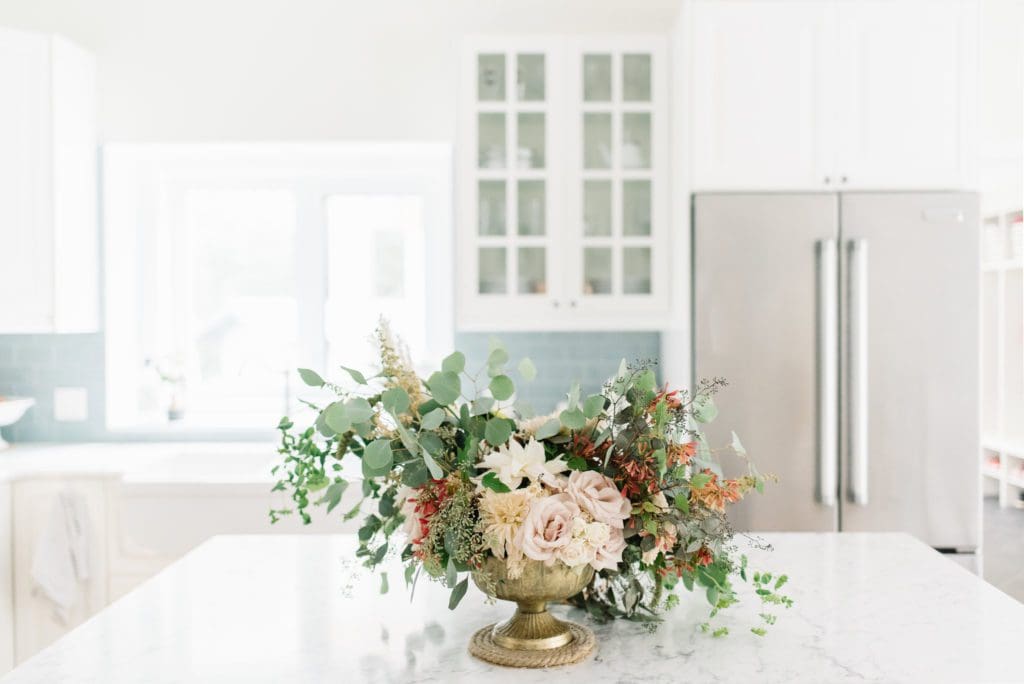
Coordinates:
(1003,354)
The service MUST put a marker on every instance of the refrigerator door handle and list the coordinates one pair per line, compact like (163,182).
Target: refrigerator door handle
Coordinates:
(828,373)
(857,398)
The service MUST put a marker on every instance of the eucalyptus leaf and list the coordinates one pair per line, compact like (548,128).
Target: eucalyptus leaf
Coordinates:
(395,400)
(414,474)
(454,363)
(593,406)
(549,429)
(431,443)
(527,370)
(502,387)
(457,593)
(646,381)
(704,409)
(337,418)
(356,375)
(383,582)
(433,420)
(378,456)
(311,378)
(573,419)
(737,445)
(497,357)
(497,431)
(481,406)
(358,410)
(524,409)
(451,575)
(444,387)
(573,397)
(432,466)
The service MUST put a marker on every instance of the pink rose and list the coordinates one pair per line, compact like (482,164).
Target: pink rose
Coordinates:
(548,527)
(599,496)
(610,555)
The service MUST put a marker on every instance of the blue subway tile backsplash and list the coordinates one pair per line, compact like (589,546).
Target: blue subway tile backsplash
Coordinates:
(34,365)
(562,358)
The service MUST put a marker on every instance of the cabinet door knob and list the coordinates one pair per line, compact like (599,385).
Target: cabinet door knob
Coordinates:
(842,179)
(573,303)
(554,304)
(827,180)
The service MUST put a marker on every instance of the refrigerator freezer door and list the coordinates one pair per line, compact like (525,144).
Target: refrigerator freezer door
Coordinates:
(910,378)
(759,321)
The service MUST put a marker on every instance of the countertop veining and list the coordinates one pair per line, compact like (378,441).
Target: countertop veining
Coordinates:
(868,607)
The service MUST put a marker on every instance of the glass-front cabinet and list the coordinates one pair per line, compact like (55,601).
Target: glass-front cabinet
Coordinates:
(562,181)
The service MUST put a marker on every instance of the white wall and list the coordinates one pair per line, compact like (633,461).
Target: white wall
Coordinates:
(196,70)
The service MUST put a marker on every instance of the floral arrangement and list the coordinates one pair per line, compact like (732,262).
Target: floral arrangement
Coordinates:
(623,481)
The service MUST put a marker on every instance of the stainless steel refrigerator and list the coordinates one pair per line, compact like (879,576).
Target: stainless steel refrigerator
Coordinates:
(847,326)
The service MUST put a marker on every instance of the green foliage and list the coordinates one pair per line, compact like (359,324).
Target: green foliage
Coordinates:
(527,370)
(498,431)
(395,400)
(311,378)
(502,387)
(454,363)
(445,387)
(491,481)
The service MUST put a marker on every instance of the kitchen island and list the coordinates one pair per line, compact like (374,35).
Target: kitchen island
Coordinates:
(876,607)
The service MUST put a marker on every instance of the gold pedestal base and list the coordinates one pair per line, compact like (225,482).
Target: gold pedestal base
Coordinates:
(578,644)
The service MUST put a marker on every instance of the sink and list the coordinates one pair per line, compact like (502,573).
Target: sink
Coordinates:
(11,411)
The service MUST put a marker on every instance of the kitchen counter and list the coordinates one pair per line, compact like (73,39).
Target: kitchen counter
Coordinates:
(877,607)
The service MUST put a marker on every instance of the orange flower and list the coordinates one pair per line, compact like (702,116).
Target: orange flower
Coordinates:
(704,556)
(714,496)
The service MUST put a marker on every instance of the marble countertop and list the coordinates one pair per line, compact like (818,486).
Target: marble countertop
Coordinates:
(868,607)
(144,462)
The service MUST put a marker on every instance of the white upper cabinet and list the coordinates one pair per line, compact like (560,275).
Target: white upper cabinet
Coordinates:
(900,93)
(563,183)
(757,76)
(832,94)
(48,187)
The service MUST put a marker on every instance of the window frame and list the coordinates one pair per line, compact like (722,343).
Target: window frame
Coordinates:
(139,178)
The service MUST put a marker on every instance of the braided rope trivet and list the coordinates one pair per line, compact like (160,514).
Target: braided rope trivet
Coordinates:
(582,645)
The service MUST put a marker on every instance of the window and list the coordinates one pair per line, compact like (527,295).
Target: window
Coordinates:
(227,267)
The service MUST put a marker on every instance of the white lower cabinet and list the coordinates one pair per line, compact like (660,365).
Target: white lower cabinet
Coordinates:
(135,530)
(36,622)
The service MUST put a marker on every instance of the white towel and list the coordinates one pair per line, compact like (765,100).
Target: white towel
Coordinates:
(61,561)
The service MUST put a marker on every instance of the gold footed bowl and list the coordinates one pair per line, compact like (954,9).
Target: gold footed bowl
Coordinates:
(532,637)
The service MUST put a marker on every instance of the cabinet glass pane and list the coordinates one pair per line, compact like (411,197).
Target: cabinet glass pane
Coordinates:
(636,78)
(491,144)
(491,207)
(597,78)
(636,207)
(597,270)
(532,277)
(636,140)
(597,207)
(490,77)
(530,77)
(530,207)
(636,270)
(530,150)
(597,140)
(492,270)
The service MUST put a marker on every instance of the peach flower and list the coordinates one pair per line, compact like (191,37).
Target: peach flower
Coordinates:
(548,527)
(610,554)
(599,496)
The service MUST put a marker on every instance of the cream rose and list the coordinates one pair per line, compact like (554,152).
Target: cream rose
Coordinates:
(609,556)
(599,496)
(576,553)
(548,527)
